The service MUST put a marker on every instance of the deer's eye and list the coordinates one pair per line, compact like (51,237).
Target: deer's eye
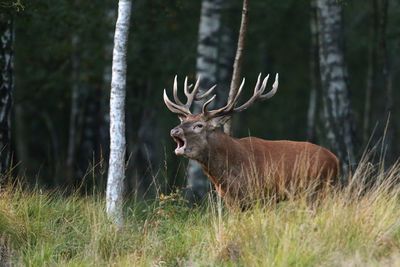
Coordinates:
(198,126)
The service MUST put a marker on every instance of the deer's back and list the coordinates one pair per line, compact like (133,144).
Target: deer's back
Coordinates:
(291,159)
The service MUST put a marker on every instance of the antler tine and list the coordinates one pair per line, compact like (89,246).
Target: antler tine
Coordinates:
(186,87)
(209,91)
(229,106)
(258,83)
(193,95)
(204,109)
(236,97)
(259,89)
(175,91)
(264,83)
(258,94)
(178,109)
(196,85)
(190,95)
(273,90)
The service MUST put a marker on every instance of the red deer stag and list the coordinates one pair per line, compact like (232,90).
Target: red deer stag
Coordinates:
(238,167)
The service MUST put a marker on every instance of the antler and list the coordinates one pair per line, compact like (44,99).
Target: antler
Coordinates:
(184,109)
(230,108)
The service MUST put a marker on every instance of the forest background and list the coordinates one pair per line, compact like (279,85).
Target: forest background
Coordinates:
(62,71)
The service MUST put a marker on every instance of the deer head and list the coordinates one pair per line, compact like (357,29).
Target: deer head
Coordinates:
(193,134)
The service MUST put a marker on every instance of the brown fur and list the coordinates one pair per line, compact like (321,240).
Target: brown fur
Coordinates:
(248,166)
(230,160)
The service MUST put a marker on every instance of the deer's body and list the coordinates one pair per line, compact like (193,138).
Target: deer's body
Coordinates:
(247,166)
(234,164)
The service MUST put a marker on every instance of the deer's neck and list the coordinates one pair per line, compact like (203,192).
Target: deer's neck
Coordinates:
(224,154)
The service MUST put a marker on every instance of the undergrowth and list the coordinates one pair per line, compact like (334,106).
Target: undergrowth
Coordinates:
(358,225)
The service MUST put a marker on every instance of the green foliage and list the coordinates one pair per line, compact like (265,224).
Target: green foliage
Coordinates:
(12,4)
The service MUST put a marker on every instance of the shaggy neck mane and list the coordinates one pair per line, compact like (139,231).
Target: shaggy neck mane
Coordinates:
(222,155)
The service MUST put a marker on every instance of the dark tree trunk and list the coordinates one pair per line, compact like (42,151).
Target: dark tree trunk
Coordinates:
(386,79)
(314,75)
(6,89)
(89,156)
(74,111)
(20,140)
(337,107)
(379,80)
(372,69)
(145,155)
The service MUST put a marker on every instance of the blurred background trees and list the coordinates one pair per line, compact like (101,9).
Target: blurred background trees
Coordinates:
(59,118)
(6,87)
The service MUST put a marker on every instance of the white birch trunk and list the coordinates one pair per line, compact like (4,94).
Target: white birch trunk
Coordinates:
(6,88)
(116,171)
(337,108)
(207,69)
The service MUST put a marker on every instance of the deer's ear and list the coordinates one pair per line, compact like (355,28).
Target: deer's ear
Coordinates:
(218,121)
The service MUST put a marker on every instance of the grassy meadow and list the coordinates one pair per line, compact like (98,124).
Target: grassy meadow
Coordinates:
(357,225)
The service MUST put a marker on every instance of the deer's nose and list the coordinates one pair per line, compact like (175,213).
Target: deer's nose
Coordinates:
(176,132)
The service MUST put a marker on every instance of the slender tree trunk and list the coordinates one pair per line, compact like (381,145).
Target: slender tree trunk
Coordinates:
(379,78)
(237,67)
(20,142)
(6,89)
(386,77)
(116,171)
(53,145)
(337,108)
(144,154)
(314,75)
(207,69)
(74,112)
(89,147)
(372,69)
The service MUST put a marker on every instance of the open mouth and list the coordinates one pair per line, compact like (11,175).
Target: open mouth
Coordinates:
(181,145)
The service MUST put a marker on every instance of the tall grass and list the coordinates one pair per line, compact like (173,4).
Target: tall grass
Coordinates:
(358,225)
